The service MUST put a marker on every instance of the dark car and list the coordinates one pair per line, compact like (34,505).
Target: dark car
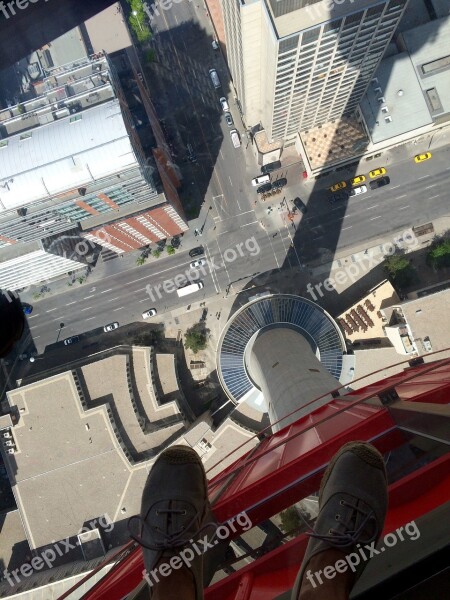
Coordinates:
(377,183)
(300,205)
(204,315)
(196,251)
(273,166)
(279,183)
(338,197)
(72,340)
(264,188)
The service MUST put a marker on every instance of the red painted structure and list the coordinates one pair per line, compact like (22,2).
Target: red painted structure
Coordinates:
(287,467)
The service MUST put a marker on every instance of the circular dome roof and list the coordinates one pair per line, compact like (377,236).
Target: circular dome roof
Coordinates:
(278,310)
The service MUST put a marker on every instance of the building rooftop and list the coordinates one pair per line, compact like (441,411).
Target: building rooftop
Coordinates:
(394,103)
(428,47)
(64,154)
(412,89)
(426,318)
(108,30)
(334,141)
(68,467)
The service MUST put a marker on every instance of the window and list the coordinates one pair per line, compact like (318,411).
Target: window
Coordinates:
(310,36)
(75,118)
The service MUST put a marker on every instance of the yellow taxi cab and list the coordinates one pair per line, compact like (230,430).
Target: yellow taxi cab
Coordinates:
(358,179)
(421,157)
(377,172)
(338,186)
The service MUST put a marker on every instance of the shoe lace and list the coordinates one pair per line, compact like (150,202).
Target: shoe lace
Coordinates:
(350,536)
(161,539)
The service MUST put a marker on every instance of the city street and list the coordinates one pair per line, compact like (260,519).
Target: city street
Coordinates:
(245,239)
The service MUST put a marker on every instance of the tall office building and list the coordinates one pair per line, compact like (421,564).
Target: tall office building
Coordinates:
(71,167)
(297,64)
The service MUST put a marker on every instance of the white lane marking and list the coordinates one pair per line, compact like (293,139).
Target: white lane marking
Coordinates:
(35,337)
(32,316)
(432,197)
(104,291)
(51,309)
(402,196)
(423,177)
(112,299)
(431,186)
(69,303)
(144,300)
(349,227)
(350,215)
(90,318)
(247,224)
(370,207)
(230,180)
(120,308)
(213,275)
(373,218)
(87,297)
(395,187)
(403,207)
(87,308)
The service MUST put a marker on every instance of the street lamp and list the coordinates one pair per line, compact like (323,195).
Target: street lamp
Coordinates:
(137,19)
(61,325)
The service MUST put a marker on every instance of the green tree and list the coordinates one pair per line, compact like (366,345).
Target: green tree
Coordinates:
(137,21)
(150,56)
(140,261)
(399,270)
(290,520)
(438,256)
(170,250)
(156,253)
(195,339)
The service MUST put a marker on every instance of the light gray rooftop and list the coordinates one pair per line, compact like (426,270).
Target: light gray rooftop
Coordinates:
(64,155)
(403,103)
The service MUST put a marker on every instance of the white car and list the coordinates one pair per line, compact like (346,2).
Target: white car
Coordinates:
(362,189)
(197,263)
(149,313)
(224,104)
(261,179)
(111,326)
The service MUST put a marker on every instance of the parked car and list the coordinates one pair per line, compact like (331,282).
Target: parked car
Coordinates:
(338,197)
(300,205)
(421,157)
(279,183)
(379,182)
(377,172)
(224,104)
(358,190)
(149,313)
(111,326)
(229,119)
(273,166)
(338,186)
(204,315)
(72,340)
(215,45)
(261,179)
(197,263)
(27,308)
(196,251)
(264,188)
(358,179)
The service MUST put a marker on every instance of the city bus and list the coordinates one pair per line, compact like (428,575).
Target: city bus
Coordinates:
(190,289)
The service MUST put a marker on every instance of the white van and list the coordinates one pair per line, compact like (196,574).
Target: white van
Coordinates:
(190,289)
(261,179)
(214,78)
(235,138)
